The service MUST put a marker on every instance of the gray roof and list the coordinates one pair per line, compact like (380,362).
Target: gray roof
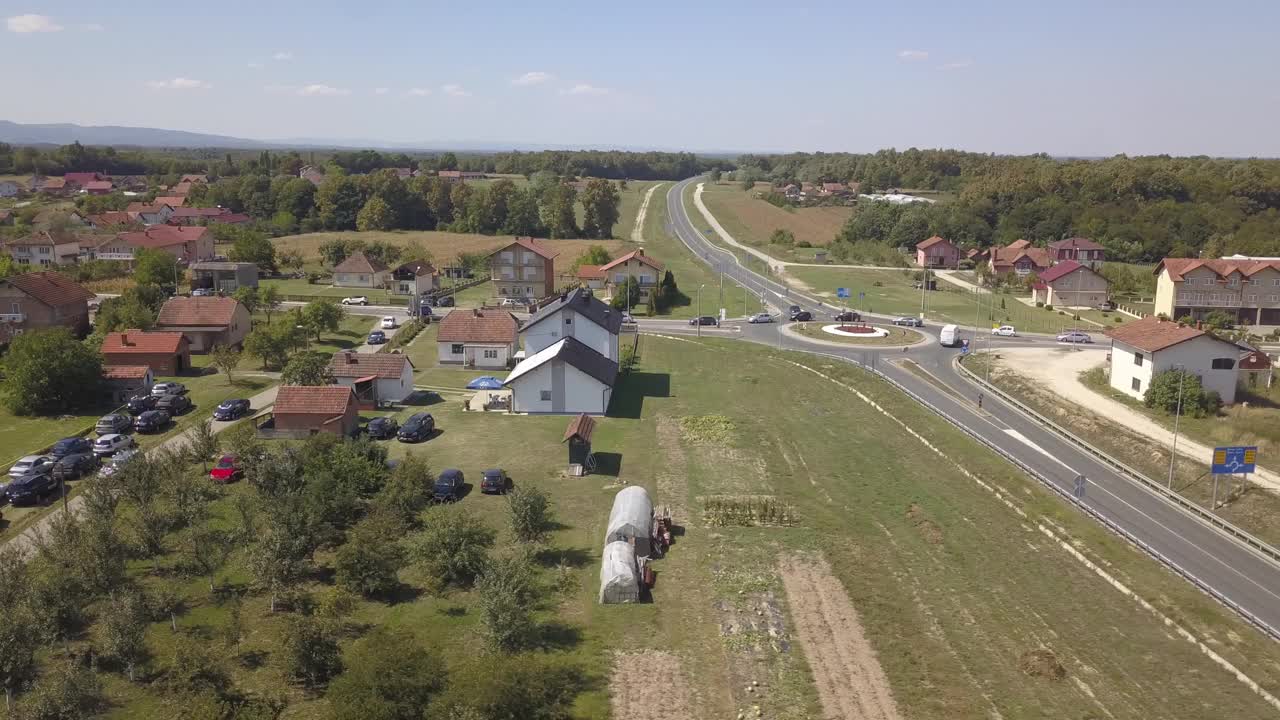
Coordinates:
(573,352)
(218,265)
(585,304)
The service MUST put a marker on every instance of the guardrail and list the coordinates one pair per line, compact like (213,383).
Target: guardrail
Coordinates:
(1243,536)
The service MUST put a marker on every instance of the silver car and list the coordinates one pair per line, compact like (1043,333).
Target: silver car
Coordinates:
(31,465)
(1074,336)
(762,317)
(111,444)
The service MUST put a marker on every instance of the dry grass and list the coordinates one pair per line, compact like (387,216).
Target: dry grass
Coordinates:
(752,220)
(443,246)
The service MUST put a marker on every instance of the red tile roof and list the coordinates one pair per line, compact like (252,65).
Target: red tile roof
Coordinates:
(124,372)
(1075,243)
(326,400)
(358,262)
(98,185)
(197,311)
(232,219)
(158,236)
(112,217)
(202,212)
(51,288)
(418,268)
(590,272)
(43,237)
(935,240)
(582,426)
(634,255)
(135,207)
(175,201)
(530,244)
(137,341)
(1062,269)
(1256,360)
(359,365)
(1178,267)
(1004,256)
(478,326)
(1018,244)
(81,178)
(194,179)
(1153,334)
(53,184)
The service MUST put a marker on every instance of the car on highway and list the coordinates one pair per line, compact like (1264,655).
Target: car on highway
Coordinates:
(175,405)
(70,446)
(113,423)
(847,316)
(1074,336)
(111,444)
(705,320)
(30,489)
(168,388)
(70,467)
(388,322)
(417,428)
(226,470)
(382,428)
(139,404)
(355,300)
(1004,331)
(494,480)
(151,421)
(233,409)
(31,465)
(761,317)
(377,337)
(801,316)
(909,321)
(448,486)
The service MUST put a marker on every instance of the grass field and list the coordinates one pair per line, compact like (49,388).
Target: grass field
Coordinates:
(751,220)
(952,589)
(896,336)
(444,247)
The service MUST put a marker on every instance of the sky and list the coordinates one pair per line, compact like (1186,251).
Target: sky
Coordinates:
(1085,78)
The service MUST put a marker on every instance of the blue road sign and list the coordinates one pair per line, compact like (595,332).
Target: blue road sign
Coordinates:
(861,295)
(1229,460)
(842,292)
(964,347)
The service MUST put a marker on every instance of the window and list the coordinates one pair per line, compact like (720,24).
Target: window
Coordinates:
(1234,282)
(44,251)
(1136,384)
(545,395)
(502,291)
(1223,364)
(456,348)
(1275,282)
(1272,298)
(490,354)
(1213,297)
(1137,359)
(568,320)
(528,291)
(1253,298)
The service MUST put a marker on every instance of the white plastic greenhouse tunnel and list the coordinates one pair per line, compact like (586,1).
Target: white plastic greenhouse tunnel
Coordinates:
(631,519)
(619,582)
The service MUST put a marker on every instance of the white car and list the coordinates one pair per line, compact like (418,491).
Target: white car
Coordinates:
(510,302)
(626,318)
(388,323)
(168,388)
(763,317)
(357,300)
(1004,331)
(111,444)
(31,465)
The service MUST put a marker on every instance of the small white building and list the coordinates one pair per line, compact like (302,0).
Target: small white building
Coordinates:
(477,338)
(375,377)
(578,315)
(361,271)
(415,278)
(566,377)
(1142,348)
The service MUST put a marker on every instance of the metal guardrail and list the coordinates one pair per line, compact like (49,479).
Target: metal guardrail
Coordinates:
(1239,534)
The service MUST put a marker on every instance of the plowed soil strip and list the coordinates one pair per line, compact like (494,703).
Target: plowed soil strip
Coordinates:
(851,684)
(649,685)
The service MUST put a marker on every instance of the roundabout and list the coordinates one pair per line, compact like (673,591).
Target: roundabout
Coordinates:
(856,331)
(855,334)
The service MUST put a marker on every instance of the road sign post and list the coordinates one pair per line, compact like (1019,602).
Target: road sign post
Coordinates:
(1080,484)
(1229,461)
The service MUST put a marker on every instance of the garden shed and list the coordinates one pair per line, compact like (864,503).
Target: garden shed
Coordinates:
(619,581)
(631,519)
(578,436)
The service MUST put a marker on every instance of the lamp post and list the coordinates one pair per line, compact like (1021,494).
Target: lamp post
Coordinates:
(698,320)
(1173,449)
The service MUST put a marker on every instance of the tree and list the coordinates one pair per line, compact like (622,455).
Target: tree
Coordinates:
(272,344)
(600,202)
(269,300)
(123,313)
(167,602)
(507,595)
(557,211)
(388,676)
(19,639)
(308,368)
(628,296)
(454,547)
(339,201)
(311,652)
(291,259)
(334,251)
(69,690)
(371,558)
(278,561)
(531,686)
(406,492)
(1174,391)
(375,215)
(782,237)
(321,315)
(49,371)
(447,161)
(254,247)
(248,297)
(530,511)
(124,629)
(595,255)
(156,267)
(226,359)
(205,551)
(202,445)
(714,175)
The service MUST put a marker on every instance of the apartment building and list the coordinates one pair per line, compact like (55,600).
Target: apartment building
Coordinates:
(524,269)
(1246,288)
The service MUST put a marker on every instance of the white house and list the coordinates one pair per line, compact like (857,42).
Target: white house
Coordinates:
(415,278)
(477,338)
(361,271)
(579,315)
(1142,348)
(567,377)
(375,377)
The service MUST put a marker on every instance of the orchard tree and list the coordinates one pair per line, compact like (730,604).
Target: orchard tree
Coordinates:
(595,255)
(368,563)
(269,300)
(248,297)
(388,676)
(124,629)
(19,640)
(507,595)
(156,267)
(530,511)
(254,247)
(226,359)
(311,652)
(453,548)
(291,259)
(322,315)
(49,371)
(307,368)
(277,561)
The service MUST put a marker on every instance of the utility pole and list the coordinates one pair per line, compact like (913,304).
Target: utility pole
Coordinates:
(698,320)
(1173,450)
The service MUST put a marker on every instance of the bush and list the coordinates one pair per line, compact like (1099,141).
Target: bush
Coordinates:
(782,237)
(1039,303)
(1163,394)
(530,509)
(508,595)
(528,686)
(389,676)
(311,652)
(370,560)
(454,547)
(804,244)
(1048,307)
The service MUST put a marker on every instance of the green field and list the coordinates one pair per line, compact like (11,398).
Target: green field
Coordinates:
(751,221)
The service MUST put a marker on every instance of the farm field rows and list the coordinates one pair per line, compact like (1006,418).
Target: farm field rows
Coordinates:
(752,220)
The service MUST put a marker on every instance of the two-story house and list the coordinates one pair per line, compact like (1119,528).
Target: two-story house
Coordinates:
(206,322)
(44,248)
(1070,284)
(646,270)
(415,278)
(1142,349)
(937,252)
(1082,250)
(1247,289)
(42,300)
(571,361)
(1020,258)
(188,244)
(524,269)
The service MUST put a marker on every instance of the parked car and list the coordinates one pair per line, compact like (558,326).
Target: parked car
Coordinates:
(446,301)
(382,428)
(30,489)
(151,421)
(168,388)
(113,423)
(909,321)
(175,405)
(793,309)
(449,486)
(388,322)
(139,404)
(848,316)
(510,302)
(31,465)
(111,444)
(1004,331)
(494,480)
(231,409)
(201,292)
(226,470)
(761,317)
(626,318)
(705,320)
(70,446)
(1074,336)
(355,300)
(417,428)
(801,316)
(1106,305)
(122,458)
(70,467)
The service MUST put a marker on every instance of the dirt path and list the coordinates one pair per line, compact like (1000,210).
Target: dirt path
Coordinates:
(850,681)
(774,264)
(637,233)
(649,685)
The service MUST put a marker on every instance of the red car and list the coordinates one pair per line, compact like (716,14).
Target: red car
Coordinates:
(227,470)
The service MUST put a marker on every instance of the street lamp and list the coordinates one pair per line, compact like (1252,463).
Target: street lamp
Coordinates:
(698,321)
(1173,450)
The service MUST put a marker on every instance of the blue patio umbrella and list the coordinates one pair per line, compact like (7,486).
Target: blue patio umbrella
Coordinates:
(485,382)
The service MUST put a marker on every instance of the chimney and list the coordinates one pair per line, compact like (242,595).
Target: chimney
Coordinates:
(350,357)
(640,251)
(124,339)
(476,313)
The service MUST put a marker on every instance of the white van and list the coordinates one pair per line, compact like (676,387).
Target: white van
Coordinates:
(950,336)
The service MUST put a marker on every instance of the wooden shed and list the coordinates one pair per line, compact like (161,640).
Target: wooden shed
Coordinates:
(578,435)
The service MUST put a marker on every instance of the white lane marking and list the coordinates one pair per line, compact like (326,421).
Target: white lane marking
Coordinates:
(1024,440)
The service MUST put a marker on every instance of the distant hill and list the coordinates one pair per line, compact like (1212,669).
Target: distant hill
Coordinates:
(66,133)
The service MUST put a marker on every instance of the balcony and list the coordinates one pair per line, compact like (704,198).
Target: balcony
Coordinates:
(13,317)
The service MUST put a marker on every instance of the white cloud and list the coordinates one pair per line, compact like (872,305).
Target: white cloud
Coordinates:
(533,78)
(381,91)
(255,65)
(913,55)
(957,65)
(282,55)
(453,90)
(92,27)
(178,84)
(320,89)
(585,89)
(32,24)
(417,92)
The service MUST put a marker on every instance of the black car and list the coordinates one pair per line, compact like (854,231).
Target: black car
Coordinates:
(446,301)
(801,316)
(175,405)
(70,467)
(449,486)
(29,489)
(793,309)
(848,316)
(71,446)
(382,428)
(705,320)
(494,480)
(151,421)
(417,428)
(139,404)
(231,409)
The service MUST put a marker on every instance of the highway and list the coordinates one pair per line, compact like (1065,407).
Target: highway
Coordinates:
(1238,575)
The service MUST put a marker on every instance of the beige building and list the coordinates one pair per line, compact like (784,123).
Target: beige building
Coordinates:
(646,270)
(523,269)
(44,248)
(1247,289)
(1070,284)
(205,321)
(361,271)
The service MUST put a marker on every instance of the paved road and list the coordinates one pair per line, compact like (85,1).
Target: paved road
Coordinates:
(1245,578)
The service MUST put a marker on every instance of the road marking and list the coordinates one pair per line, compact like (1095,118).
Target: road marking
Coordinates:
(1026,441)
